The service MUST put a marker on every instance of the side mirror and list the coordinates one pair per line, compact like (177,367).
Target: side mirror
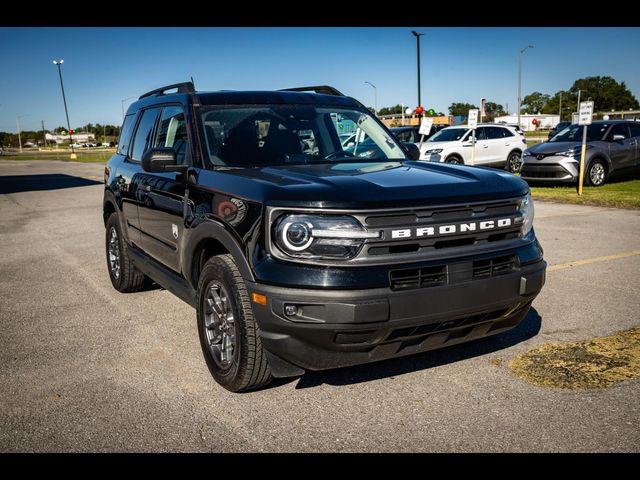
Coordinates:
(158,160)
(412,150)
(618,137)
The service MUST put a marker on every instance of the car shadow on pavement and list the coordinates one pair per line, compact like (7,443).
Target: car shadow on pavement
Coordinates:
(53,181)
(528,328)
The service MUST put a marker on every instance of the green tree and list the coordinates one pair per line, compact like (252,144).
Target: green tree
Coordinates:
(458,108)
(535,102)
(606,93)
(492,110)
(395,110)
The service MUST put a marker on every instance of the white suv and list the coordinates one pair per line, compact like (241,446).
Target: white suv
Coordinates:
(496,146)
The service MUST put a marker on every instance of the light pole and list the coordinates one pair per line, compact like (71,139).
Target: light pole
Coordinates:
(19,137)
(560,106)
(418,35)
(122,104)
(520,80)
(375,97)
(66,111)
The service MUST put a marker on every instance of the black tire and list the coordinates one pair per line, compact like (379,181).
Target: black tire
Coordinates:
(126,278)
(454,159)
(596,173)
(246,367)
(514,162)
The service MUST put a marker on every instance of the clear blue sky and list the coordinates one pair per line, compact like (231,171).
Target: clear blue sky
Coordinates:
(102,66)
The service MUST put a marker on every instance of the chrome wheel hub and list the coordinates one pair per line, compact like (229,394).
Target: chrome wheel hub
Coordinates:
(597,174)
(114,253)
(219,325)
(514,163)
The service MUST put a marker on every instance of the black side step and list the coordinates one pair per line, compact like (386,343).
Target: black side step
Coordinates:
(164,277)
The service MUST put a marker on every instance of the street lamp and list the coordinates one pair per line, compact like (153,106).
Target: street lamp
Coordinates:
(122,104)
(418,35)
(520,79)
(375,97)
(66,111)
(19,137)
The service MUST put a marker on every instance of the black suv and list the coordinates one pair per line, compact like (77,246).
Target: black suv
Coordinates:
(298,255)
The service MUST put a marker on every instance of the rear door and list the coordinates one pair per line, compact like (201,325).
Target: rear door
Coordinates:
(635,139)
(621,152)
(162,210)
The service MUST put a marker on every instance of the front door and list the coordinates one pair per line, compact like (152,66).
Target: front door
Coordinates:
(635,139)
(161,212)
(482,146)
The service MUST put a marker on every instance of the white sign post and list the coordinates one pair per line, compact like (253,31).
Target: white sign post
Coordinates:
(585,117)
(473,124)
(425,129)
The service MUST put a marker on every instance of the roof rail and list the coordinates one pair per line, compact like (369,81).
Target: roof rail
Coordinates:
(325,89)
(184,87)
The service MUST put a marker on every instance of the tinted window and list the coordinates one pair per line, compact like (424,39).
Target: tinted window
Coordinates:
(507,133)
(619,129)
(497,132)
(481,133)
(635,129)
(142,140)
(125,134)
(172,132)
(405,136)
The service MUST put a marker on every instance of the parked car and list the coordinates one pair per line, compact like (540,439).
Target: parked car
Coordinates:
(612,147)
(496,146)
(296,261)
(557,129)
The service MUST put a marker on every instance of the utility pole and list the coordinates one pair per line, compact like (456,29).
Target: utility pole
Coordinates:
(375,97)
(520,80)
(44,135)
(19,137)
(418,35)
(64,99)
(560,106)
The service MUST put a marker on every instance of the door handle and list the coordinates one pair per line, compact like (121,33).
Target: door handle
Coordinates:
(485,146)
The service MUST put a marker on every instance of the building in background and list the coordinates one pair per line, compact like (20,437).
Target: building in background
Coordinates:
(80,137)
(543,121)
(399,120)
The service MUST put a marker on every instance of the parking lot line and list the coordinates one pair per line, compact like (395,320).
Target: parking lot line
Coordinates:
(587,261)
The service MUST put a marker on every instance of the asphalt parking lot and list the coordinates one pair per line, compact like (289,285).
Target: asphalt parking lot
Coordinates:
(85,368)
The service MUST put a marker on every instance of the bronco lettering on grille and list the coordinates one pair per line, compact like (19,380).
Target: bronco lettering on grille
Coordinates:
(465,227)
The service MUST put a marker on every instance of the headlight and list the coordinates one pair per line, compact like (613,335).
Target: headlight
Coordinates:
(527,153)
(434,151)
(526,210)
(572,152)
(320,236)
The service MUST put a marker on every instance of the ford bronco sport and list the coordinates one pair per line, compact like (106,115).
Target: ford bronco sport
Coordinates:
(298,255)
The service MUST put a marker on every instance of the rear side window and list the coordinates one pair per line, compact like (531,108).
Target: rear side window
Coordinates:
(142,140)
(635,129)
(619,129)
(125,134)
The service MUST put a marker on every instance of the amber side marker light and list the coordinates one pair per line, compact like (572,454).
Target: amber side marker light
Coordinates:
(259,298)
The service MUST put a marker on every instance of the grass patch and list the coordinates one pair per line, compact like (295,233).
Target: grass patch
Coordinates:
(617,195)
(592,364)
(83,157)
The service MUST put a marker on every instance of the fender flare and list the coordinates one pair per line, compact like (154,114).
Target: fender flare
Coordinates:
(216,231)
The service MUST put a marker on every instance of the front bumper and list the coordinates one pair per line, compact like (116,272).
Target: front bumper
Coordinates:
(550,169)
(340,328)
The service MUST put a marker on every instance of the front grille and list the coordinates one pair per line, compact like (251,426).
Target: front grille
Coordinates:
(543,171)
(418,277)
(494,266)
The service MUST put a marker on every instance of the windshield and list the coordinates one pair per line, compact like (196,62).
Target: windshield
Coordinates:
(259,136)
(573,133)
(448,135)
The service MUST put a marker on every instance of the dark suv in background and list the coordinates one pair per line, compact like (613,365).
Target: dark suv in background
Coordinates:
(298,255)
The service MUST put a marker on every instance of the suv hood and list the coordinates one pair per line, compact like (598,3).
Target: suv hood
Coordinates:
(369,185)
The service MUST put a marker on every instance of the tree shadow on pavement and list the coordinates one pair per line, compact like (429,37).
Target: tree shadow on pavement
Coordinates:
(53,181)
(528,328)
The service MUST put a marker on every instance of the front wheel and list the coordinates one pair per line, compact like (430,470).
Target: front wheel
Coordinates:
(596,174)
(454,159)
(514,162)
(229,334)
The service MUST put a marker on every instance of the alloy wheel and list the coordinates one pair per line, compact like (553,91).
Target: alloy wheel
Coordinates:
(219,324)
(114,253)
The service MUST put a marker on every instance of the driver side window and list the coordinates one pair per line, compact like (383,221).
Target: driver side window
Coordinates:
(172,132)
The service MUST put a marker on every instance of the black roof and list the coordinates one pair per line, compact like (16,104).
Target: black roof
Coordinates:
(262,97)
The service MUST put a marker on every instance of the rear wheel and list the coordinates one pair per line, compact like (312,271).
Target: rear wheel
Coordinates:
(229,334)
(596,174)
(514,162)
(125,277)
